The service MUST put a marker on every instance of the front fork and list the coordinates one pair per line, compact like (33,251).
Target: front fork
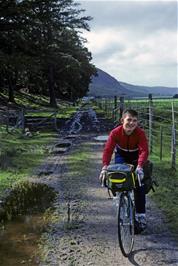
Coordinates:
(129,211)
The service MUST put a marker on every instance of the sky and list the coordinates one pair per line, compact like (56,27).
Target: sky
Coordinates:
(134,41)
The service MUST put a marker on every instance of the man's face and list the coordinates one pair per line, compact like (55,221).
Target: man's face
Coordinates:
(129,123)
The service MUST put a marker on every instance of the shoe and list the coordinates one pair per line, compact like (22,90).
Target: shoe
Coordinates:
(140,223)
(137,229)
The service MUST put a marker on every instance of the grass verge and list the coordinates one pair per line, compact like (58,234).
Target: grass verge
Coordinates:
(166,194)
(19,155)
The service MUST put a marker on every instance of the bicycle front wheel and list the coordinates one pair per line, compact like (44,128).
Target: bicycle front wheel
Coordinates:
(126,224)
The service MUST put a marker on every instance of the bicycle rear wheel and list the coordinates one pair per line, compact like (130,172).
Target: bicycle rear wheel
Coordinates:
(126,224)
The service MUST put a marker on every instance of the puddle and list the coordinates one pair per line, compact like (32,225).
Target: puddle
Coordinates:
(59,150)
(63,144)
(101,138)
(22,222)
(61,147)
(71,137)
(19,241)
(45,172)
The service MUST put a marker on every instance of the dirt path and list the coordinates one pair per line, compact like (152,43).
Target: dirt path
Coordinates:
(83,229)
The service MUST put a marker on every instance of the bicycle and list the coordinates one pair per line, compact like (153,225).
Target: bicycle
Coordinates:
(121,181)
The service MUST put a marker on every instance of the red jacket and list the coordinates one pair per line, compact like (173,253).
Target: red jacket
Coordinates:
(130,147)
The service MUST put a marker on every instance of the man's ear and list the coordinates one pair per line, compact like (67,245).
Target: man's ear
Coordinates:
(121,120)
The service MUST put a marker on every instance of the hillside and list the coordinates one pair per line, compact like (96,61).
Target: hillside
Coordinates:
(155,90)
(105,85)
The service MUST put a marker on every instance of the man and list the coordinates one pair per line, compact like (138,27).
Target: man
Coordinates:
(131,146)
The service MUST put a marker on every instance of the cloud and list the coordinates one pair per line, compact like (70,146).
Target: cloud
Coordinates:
(135,42)
(100,41)
(127,48)
(144,15)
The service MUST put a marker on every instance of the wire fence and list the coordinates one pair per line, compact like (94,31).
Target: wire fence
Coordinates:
(158,117)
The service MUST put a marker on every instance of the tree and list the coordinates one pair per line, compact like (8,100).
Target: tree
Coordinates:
(12,43)
(75,70)
(41,48)
(52,19)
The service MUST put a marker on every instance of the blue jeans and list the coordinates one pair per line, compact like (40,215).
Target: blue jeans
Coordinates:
(139,193)
(118,158)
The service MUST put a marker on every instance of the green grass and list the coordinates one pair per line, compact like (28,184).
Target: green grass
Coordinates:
(19,155)
(61,112)
(31,101)
(79,160)
(166,194)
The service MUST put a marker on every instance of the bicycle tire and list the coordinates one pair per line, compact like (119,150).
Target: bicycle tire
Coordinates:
(126,224)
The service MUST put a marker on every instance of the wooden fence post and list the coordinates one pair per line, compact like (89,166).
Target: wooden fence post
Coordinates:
(161,143)
(121,105)
(105,106)
(55,121)
(173,141)
(100,103)
(103,103)
(7,120)
(115,109)
(150,122)
(23,120)
(115,102)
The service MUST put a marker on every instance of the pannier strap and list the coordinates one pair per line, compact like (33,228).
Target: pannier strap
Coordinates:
(133,178)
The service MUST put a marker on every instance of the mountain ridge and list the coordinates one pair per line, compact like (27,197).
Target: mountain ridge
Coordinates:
(105,85)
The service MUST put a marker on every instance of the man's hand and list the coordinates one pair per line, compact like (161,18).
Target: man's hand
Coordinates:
(103,176)
(139,172)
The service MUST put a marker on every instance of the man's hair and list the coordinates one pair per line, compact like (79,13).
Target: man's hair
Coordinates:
(130,112)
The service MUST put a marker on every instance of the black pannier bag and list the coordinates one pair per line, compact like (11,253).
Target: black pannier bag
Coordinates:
(120,177)
(149,181)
